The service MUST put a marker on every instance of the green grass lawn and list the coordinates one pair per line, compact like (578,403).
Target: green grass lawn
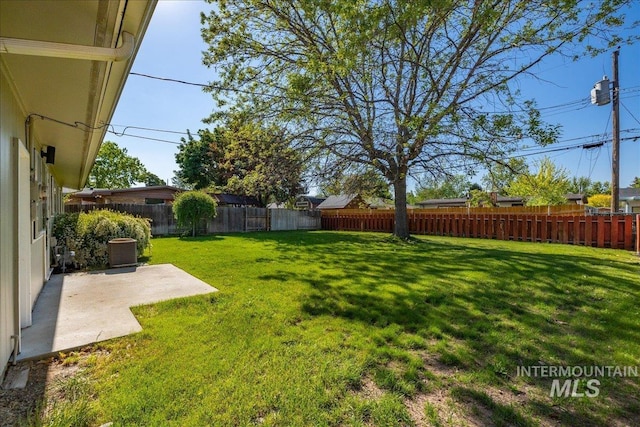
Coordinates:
(328,328)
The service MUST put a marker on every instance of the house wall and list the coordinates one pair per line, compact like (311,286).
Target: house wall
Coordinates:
(27,207)
(631,206)
(133,200)
(11,126)
(356,203)
(508,204)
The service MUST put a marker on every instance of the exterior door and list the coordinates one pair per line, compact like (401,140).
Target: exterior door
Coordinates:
(24,233)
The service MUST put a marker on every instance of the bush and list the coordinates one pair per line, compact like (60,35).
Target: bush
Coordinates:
(191,207)
(599,200)
(88,234)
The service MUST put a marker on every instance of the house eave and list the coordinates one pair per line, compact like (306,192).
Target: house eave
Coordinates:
(70,102)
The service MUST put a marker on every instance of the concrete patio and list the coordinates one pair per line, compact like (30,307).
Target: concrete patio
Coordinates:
(74,310)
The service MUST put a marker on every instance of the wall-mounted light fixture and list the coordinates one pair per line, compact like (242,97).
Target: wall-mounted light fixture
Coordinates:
(50,154)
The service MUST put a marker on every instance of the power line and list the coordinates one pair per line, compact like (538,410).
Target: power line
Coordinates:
(540,150)
(167,79)
(630,113)
(144,128)
(144,137)
(582,102)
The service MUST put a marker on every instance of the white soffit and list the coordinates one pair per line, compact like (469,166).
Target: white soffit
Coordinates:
(71,90)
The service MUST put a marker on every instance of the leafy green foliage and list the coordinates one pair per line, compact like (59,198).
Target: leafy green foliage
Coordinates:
(367,183)
(584,185)
(451,187)
(88,233)
(151,180)
(200,160)
(242,157)
(397,85)
(636,182)
(500,175)
(548,186)
(190,208)
(479,198)
(114,168)
(600,200)
(260,162)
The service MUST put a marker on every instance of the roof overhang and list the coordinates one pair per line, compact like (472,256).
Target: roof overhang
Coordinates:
(70,96)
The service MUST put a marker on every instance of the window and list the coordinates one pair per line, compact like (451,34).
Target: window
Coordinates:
(39,198)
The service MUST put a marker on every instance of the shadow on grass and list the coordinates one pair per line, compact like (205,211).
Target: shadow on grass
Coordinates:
(500,414)
(527,303)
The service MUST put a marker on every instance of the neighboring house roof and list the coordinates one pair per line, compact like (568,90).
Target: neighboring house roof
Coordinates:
(308,202)
(444,202)
(629,193)
(101,192)
(80,92)
(235,199)
(337,202)
(379,203)
(575,196)
(499,199)
(509,199)
(315,201)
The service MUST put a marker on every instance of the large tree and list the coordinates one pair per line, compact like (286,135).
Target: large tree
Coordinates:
(584,185)
(200,160)
(260,162)
(243,157)
(367,182)
(151,180)
(549,185)
(451,187)
(399,85)
(501,174)
(114,168)
(636,182)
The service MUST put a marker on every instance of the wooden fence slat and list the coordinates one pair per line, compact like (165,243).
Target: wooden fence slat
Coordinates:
(638,234)
(628,232)
(600,231)
(554,228)
(565,229)
(576,230)
(588,230)
(615,229)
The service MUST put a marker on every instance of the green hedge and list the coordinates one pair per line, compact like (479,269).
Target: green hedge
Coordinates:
(88,233)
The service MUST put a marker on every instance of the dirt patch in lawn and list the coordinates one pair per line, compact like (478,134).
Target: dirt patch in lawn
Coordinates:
(45,376)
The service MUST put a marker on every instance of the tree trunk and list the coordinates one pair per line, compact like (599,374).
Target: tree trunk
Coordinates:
(401,228)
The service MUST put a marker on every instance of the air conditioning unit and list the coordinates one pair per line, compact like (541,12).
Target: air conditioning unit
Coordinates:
(122,252)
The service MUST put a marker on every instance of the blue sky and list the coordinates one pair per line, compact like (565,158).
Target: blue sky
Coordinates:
(173,47)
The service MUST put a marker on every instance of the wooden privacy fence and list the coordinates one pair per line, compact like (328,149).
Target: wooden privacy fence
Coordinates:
(531,210)
(228,219)
(618,231)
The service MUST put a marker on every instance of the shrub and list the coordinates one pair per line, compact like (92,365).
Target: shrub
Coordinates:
(600,200)
(64,229)
(191,207)
(88,234)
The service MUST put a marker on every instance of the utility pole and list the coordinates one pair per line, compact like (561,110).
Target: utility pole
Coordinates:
(615,125)
(600,96)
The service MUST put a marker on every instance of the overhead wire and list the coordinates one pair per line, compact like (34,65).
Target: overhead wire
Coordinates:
(145,128)
(630,113)
(580,103)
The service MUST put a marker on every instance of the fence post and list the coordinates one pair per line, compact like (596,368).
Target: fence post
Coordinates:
(638,234)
